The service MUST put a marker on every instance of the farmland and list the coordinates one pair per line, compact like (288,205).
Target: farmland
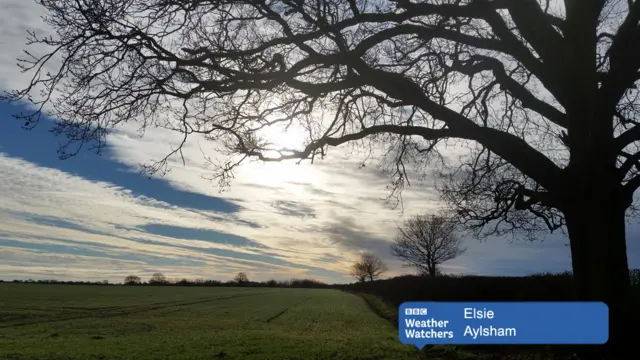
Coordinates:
(128,322)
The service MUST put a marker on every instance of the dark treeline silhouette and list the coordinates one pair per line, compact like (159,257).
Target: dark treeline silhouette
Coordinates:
(59,282)
(396,290)
(536,287)
(291,283)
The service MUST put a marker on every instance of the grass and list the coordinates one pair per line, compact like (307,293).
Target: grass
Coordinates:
(118,322)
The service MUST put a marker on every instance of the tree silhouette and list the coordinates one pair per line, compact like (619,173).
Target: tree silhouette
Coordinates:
(157,279)
(132,280)
(369,267)
(357,270)
(426,241)
(241,278)
(539,97)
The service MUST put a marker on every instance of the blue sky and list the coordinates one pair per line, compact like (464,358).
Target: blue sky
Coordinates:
(96,217)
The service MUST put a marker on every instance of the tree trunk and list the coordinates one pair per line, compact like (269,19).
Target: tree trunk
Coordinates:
(432,272)
(596,228)
(594,205)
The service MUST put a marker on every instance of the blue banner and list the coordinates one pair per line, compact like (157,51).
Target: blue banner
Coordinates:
(430,323)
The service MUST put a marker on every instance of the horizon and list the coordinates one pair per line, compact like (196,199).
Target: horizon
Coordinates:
(174,281)
(96,217)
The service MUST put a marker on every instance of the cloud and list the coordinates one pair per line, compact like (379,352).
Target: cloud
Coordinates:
(213,236)
(345,233)
(16,17)
(71,215)
(293,208)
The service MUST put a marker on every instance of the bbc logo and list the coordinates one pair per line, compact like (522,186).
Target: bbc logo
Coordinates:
(415,311)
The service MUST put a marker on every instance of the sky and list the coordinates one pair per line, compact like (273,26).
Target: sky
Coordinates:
(96,217)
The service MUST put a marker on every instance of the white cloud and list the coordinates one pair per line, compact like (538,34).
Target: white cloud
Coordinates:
(31,264)
(16,17)
(29,192)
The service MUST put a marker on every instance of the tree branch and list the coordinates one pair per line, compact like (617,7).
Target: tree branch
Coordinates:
(624,60)
(510,147)
(626,138)
(549,76)
(631,161)
(536,28)
(479,63)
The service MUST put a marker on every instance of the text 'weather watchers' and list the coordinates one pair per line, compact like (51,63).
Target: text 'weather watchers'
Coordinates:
(425,323)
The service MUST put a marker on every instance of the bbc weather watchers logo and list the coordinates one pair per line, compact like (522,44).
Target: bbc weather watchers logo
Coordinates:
(415,311)
(502,323)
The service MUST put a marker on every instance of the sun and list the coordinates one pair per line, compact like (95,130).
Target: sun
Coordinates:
(281,137)
(288,173)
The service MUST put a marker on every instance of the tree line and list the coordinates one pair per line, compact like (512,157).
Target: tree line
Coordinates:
(59,282)
(240,279)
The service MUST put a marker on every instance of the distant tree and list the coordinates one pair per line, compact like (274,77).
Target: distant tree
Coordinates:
(132,280)
(369,266)
(241,278)
(426,241)
(358,272)
(157,278)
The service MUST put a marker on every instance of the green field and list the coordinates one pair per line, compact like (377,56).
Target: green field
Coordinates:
(40,322)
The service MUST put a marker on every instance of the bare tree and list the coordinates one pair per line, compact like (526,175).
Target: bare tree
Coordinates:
(158,279)
(541,94)
(358,272)
(241,278)
(426,241)
(132,280)
(368,266)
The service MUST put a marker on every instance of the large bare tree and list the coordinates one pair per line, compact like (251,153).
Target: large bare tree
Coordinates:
(368,267)
(540,95)
(426,241)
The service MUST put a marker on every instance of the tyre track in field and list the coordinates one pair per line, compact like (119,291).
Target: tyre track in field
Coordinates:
(134,309)
(270,319)
(391,317)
